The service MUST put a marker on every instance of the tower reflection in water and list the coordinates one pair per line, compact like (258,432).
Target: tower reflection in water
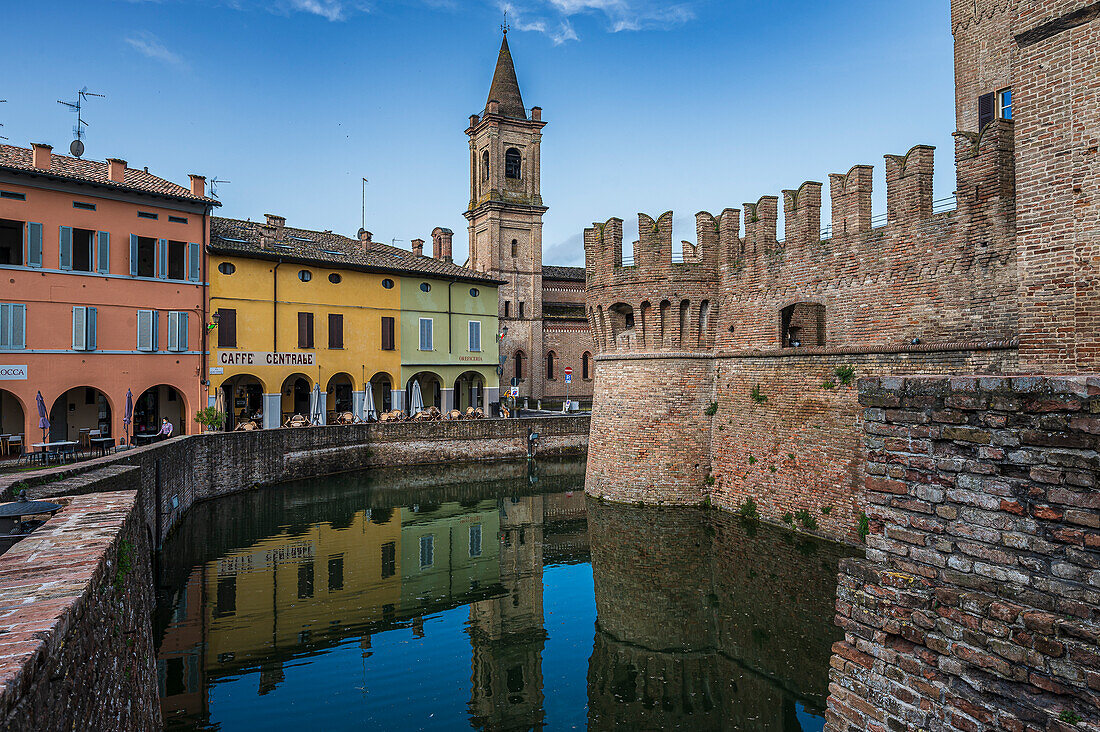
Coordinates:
(416,599)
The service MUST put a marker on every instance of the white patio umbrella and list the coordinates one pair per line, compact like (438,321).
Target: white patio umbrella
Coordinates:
(316,405)
(367,409)
(416,402)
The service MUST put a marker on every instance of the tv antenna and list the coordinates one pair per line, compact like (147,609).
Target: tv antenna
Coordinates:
(3,101)
(77,145)
(214,185)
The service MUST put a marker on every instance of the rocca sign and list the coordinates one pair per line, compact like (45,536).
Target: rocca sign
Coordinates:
(243,358)
(13,373)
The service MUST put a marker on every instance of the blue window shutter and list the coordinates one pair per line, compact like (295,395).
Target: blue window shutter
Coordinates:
(156,331)
(104,252)
(133,255)
(34,245)
(183,332)
(91,329)
(19,327)
(144,329)
(6,316)
(173,331)
(65,247)
(162,248)
(194,269)
(79,327)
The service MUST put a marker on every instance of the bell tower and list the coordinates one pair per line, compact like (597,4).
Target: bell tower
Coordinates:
(505,216)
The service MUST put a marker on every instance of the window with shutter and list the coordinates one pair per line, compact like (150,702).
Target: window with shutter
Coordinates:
(426,334)
(162,250)
(90,330)
(227,328)
(173,331)
(13,327)
(79,326)
(181,338)
(387,334)
(985,110)
(193,263)
(34,245)
(65,247)
(335,331)
(475,336)
(145,330)
(103,253)
(305,330)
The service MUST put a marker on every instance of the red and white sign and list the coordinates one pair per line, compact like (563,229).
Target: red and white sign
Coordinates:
(568,370)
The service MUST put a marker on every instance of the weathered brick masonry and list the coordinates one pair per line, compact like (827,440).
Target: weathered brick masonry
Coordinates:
(76,641)
(978,605)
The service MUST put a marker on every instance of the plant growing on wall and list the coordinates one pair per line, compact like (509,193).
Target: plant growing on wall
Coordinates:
(748,509)
(845,374)
(806,519)
(788,519)
(711,410)
(864,527)
(828,384)
(210,418)
(758,396)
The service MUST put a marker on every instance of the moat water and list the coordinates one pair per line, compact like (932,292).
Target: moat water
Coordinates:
(489,597)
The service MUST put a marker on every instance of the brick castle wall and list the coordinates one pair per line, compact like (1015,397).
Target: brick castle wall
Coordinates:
(978,605)
(76,641)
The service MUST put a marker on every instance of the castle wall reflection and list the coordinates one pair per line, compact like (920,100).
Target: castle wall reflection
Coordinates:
(416,599)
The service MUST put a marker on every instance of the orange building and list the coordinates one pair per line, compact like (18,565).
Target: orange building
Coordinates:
(104,293)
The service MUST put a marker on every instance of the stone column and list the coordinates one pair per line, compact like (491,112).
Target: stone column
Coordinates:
(273,411)
(447,398)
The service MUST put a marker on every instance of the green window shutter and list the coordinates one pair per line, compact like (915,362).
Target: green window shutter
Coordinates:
(34,245)
(104,253)
(194,269)
(65,242)
(133,255)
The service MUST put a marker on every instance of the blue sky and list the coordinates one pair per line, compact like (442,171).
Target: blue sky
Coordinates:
(691,105)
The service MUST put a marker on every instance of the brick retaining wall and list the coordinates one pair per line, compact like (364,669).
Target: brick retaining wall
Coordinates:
(978,606)
(76,642)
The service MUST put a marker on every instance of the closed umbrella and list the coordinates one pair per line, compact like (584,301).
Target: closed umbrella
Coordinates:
(316,405)
(416,404)
(43,420)
(368,404)
(219,402)
(129,416)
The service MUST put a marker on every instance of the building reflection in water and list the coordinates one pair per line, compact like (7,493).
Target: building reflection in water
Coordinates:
(706,622)
(699,625)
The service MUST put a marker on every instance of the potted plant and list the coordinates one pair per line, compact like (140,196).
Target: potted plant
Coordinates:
(210,418)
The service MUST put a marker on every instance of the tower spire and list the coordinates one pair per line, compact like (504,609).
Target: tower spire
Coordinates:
(505,86)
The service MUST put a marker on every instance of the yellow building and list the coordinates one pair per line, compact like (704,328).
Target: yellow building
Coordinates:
(297,309)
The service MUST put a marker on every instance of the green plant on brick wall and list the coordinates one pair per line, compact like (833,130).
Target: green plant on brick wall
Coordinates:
(845,374)
(748,509)
(710,480)
(758,396)
(772,468)
(711,410)
(864,527)
(1069,716)
(752,460)
(125,563)
(827,384)
(826,510)
(788,518)
(806,519)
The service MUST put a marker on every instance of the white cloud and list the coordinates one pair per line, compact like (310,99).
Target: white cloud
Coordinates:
(149,45)
(328,9)
(553,17)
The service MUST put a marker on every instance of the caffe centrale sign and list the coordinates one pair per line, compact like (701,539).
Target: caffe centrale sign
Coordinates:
(244,358)
(13,373)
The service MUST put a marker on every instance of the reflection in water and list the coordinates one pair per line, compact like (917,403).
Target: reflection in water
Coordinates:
(441,599)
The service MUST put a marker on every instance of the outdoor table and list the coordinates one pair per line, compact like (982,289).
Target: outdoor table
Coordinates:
(4,444)
(145,438)
(103,444)
(51,448)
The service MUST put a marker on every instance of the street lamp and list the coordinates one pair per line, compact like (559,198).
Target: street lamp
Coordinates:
(215,317)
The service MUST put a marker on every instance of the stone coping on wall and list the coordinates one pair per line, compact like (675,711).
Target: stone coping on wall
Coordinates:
(1005,345)
(45,581)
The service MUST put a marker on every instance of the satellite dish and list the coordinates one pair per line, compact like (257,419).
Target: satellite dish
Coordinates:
(76,148)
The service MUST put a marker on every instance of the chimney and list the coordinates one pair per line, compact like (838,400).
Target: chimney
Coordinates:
(441,244)
(198,184)
(536,113)
(116,170)
(365,240)
(474,119)
(275,220)
(418,247)
(42,156)
(494,106)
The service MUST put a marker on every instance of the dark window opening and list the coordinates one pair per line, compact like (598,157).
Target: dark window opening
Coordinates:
(305,330)
(83,250)
(227,597)
(512,164)
(387,334)
(550,366)
(177,219)
(227,268)
(147,215)
(335,331)
(334,278)
(336,573)
(305,275)
(177,260)
(802,324)
(11,242)
(507,308)
(84,206)
(13,195)
(519,365)
(227,328)
(521,309)
(485,165)
(146,257)
(388,284)
(389,559)
(515,247)
(305,581)
(586,366)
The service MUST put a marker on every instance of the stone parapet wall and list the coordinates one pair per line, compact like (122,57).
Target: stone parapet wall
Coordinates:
(978,606)
(76,598)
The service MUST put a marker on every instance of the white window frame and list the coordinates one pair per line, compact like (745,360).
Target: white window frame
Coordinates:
(84,328)
(999,103)
(13,338)
(431,334)
(177,331)
(427,541)
(148,336)
(474,326)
